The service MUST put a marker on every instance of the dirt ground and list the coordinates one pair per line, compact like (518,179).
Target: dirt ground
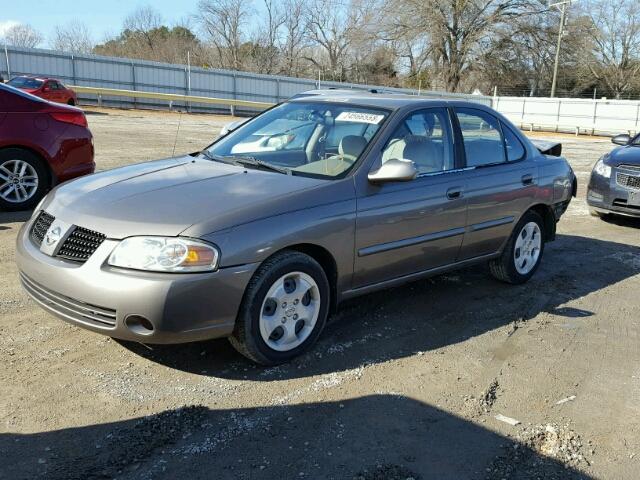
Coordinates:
(404,384)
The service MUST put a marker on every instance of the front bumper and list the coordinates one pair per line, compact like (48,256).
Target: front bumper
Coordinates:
(605,195)
(104,299)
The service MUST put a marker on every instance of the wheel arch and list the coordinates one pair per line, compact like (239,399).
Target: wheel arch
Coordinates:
(548,217)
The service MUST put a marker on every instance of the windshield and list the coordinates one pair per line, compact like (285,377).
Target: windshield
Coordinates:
(25,82)
(311,138)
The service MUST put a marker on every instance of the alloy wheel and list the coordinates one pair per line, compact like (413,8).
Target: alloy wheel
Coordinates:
(18,181)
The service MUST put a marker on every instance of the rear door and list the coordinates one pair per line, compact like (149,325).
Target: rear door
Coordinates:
(501,182)
(409,227)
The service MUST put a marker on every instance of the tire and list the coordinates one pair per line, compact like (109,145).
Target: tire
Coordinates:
(269,306)
(517,267)
(10,199)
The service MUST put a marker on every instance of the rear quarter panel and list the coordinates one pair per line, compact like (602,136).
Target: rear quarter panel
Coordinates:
(556,179)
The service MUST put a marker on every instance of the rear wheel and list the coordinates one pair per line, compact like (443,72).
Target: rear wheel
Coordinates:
(23,179)
(284,309)
(522,254)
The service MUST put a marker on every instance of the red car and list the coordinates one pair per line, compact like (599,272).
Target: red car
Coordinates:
(47,88)
(41,144)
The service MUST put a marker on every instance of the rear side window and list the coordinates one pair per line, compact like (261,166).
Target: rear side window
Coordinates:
(483,143)
(515,149)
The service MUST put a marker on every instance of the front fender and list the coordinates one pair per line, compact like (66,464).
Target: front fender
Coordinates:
(330,226)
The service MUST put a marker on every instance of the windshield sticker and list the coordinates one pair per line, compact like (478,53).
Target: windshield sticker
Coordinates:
(359,117)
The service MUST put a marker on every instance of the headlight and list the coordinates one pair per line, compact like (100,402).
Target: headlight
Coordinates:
(165,254)
(602,169)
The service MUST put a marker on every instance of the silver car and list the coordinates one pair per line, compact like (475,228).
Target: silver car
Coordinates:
(262,246)
(614,185)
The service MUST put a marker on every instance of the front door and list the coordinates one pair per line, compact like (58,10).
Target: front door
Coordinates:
(408,227)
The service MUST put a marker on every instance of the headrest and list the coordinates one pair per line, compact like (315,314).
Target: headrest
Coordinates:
(352,145)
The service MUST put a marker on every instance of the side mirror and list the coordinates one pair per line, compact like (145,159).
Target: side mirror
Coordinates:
(622,139)
(394,170)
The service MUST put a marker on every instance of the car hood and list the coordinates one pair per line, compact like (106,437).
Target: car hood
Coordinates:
(624,156)
(166,197)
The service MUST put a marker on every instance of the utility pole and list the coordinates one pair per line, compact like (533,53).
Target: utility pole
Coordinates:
(563,16)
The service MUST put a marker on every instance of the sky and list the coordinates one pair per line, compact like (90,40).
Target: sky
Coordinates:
(103,17)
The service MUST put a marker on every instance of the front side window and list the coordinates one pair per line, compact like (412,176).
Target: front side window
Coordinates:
(482,137)
(425,138)
(303,138)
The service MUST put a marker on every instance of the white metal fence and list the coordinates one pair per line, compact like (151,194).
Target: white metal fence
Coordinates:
(571,114)
(568,115)
(128,74)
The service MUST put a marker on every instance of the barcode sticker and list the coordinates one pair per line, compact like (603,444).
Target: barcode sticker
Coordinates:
(359,117)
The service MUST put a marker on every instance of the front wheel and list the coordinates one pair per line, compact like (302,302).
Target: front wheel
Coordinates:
(284,309)
(522,255)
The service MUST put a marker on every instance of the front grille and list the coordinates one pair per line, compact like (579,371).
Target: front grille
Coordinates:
(633,168)
(80,244)
(68,307)
(40,227)
(628,181)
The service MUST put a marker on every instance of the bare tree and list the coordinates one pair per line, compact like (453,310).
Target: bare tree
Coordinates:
(223,21)
(616,39)
(72,37)
(294,36)
(457,28)
(333,26)
(411,42)
(143,22)
(22,35)
(266,44)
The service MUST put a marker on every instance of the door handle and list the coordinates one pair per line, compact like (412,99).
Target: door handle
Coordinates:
(454,193)
(527,179)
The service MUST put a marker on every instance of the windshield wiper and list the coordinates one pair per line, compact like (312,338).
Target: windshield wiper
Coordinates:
(254,162)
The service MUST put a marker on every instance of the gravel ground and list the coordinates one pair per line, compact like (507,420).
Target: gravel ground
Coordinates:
(404,384)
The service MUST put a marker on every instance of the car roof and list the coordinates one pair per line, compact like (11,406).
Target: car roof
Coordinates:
(35,77)
(387,100)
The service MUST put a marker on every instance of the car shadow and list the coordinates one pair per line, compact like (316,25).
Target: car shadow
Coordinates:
(389,437)
(621,220)
(425,315)
(15,217)
(92,112)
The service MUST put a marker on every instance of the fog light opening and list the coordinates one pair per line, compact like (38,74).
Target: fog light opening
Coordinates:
(139,325)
